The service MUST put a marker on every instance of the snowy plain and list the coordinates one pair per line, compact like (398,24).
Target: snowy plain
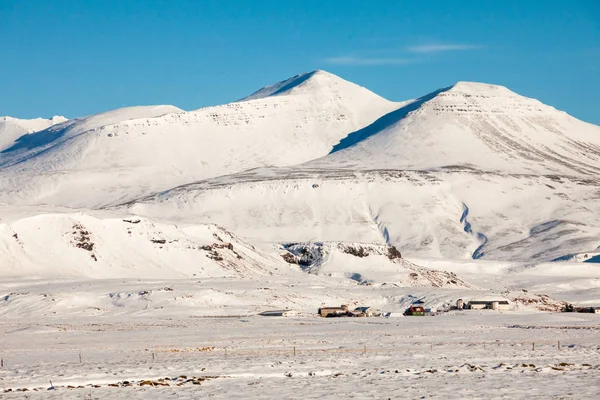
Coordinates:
(462,355)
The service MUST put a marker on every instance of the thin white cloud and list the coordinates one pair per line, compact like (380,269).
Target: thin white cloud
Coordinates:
(439,47)
(348,60)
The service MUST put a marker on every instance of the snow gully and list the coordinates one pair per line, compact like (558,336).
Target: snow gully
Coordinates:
(478,253)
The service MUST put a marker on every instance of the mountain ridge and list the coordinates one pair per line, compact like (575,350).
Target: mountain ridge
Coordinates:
(160,149)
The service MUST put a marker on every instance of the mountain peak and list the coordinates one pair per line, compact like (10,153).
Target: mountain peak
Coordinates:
(315,82)
(482,88)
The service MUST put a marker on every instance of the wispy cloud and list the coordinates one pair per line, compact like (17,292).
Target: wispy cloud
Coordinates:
(440,47)
(349,60)
(400,55)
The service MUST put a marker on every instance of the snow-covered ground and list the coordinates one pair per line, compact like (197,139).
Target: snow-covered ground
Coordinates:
(478,354)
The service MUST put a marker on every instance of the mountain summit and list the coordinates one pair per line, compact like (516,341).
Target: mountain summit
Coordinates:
(316,83)
(476,125)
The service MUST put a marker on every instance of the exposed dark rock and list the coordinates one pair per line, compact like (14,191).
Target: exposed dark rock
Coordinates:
(393,253)
(290,258)
(358,251)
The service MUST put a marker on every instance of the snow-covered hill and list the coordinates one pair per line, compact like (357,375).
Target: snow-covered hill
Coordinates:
(81,245)
(469,171)
(13,128)
(367,264)
(476,125)
(444,214)
(117,156)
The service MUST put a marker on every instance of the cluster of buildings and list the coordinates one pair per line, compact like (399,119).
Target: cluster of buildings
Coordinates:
(416,309)
(344,311)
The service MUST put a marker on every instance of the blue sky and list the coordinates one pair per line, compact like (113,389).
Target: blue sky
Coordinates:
(81,57)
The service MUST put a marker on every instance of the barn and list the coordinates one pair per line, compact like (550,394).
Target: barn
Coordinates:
(333,311)
(415,311)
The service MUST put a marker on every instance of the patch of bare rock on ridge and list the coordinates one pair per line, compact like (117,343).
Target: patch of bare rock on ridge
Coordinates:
(386,267)
(82,240)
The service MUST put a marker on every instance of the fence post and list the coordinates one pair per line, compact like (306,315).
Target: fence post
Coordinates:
(294,350)
(2,362)
(79,358)
(558,345)
(365,349)
(533,346)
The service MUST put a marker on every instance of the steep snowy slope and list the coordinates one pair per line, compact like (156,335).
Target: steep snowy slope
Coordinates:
(449,214)
(477,125)
(107,160)
(13,128)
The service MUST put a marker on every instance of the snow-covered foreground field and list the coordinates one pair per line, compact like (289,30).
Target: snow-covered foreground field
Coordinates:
(475,354)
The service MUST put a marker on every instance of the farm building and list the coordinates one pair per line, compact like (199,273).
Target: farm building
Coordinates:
(333,311)
(366,312)
(279,313)
(393,315)
(488,305)
(415,311)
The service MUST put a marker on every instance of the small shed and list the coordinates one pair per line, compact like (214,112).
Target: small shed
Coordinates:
(393,315)
(279,313)
(366,312)
(415,311)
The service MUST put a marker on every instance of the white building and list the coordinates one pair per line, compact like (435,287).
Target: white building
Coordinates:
(279,313)
(367,311)
(502,305)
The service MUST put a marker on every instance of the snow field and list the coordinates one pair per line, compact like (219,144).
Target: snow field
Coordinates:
(452,355)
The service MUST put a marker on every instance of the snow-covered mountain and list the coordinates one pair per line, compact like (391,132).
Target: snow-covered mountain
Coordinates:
(13,128)
(475,125)
(469,171)
(473,170)
(123,154)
